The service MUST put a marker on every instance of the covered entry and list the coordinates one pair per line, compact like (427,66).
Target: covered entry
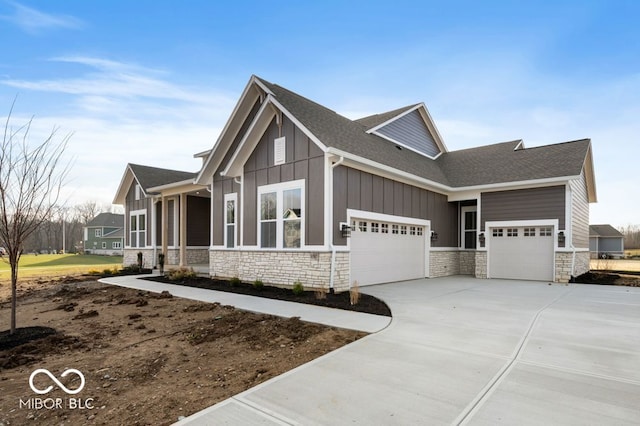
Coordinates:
(517,252)
(387,251)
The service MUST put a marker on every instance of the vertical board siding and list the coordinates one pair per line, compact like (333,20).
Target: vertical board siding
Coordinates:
(410,130)
(382,195)
(132,204)
(198,220)
(171,216)
(524,204)
(579,212)
(304,160)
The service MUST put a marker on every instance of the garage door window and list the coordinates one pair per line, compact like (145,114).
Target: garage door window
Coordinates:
(403,230)
(498,232)
(394,229)
(512,232)
(546,232)
(529,232)
(375,227)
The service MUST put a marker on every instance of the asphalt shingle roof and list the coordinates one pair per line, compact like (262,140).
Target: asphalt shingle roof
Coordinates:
(497,163)
(604,231)
(149,177)
(107,219)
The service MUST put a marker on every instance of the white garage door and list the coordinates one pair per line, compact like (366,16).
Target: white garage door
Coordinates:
(383,252)
(521,253)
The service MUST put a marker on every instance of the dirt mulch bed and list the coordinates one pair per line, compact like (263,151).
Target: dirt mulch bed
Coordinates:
(147,358)
(609,278)
(366,303)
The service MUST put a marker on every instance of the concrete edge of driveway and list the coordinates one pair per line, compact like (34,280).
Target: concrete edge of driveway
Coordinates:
(339,318)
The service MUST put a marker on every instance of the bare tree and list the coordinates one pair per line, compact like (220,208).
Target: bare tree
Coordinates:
(31,179)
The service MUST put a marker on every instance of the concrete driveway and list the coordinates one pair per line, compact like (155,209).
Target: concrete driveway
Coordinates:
(466,351)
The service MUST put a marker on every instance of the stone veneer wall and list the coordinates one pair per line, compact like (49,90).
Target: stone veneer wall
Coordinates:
(130,257)
(282,268)
(481,264)
(467,262)
(444,263)
(563,265)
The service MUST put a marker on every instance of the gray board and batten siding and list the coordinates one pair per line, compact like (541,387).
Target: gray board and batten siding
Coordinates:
(355,189)
(133,205)
(410,130)
(304,160)
(524,204)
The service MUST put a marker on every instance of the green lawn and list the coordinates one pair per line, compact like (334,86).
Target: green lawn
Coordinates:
(53,265)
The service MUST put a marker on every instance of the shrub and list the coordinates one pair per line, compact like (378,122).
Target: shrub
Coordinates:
(298,288)
(321,293)
(107,272)
(181,274)
(258,284)
(234,282)
(94,272)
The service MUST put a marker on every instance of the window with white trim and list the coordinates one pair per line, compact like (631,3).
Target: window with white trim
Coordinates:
(116,245)
(546,232)
(104,244)
(138,228)
(230,218)
(394,229)
(375,227)
(497,232)
(403,229)
(412,230)
(420,230)
(281,215)
(98,232)
(529,232)
(384,228)
(362,226)
(512,232)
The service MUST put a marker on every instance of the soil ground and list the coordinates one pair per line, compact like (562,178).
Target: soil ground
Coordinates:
(146,358)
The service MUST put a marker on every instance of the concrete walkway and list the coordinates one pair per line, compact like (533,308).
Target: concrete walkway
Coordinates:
(317,314)
(467,351)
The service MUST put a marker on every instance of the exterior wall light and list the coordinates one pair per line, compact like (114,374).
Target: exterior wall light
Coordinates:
(482,239)
(561,239)
(434,236)
(345,230)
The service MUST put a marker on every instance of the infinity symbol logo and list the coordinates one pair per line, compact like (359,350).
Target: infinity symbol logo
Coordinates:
(65,373)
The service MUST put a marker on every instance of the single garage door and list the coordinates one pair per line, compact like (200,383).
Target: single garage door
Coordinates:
(524,253)
(383,252)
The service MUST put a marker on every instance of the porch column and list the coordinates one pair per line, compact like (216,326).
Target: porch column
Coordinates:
(183,230)
(165,229)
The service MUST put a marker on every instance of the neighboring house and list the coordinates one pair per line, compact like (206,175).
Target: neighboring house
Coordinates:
(104,234)
(605,241)
(292,191)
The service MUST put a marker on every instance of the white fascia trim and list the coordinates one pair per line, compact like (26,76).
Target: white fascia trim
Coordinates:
(380,135)
(520,145)
(363,214)
(521,223)
(523,184)
(382,170)
(254,123)
(121,194)
(226,127)
(299,125)
(174,185)
(392,119)
(450,249)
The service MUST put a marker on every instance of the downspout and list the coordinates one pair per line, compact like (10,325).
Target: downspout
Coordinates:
(333,248)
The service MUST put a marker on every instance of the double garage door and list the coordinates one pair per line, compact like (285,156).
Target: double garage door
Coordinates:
(524,253)
(384,252)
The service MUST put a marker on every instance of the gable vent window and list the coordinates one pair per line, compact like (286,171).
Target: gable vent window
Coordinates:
(279,151)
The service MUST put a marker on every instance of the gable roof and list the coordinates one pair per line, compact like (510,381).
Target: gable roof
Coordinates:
(511,162)
(148,177)
(358,143)
(604,231)
(107,219)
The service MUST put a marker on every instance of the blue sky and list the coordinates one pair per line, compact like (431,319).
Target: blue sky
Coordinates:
(154,82)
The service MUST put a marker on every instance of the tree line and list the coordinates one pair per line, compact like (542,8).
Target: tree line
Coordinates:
(631,236)
(62,230)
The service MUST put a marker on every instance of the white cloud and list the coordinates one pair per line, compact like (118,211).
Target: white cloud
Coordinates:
(34,21)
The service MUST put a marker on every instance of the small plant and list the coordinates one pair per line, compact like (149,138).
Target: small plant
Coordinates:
(234,282)
(354,293)
(181,274)
(321,293)
(298,288)
(258,284)
(94,272)
(161,263)
(107,272)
